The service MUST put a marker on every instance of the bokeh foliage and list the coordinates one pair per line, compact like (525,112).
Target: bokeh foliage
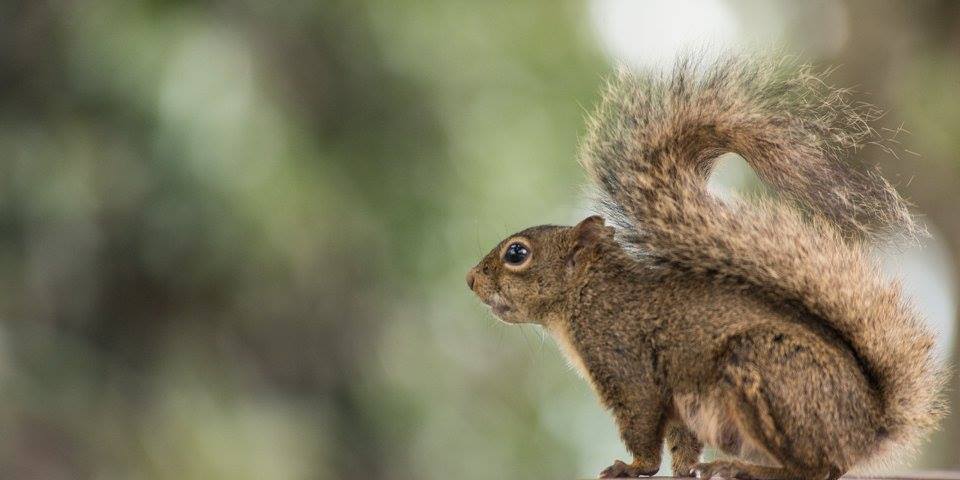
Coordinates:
(233,234)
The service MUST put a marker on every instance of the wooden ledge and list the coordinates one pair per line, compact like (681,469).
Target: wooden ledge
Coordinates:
(934,475)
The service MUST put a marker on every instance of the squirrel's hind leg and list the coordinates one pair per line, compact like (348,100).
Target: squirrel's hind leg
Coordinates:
(798,398)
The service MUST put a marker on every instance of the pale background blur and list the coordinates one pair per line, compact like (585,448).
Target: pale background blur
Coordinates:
(233,234)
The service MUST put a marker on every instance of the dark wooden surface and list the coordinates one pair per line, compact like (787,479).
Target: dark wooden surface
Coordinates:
(940,475)
(937,475)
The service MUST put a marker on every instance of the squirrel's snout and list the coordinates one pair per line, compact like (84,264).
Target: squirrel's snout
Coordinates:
(471,276)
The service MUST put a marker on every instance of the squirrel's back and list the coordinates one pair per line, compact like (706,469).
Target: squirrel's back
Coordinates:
(650,149)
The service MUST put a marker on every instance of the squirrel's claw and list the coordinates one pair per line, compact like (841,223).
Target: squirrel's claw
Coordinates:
(704,471)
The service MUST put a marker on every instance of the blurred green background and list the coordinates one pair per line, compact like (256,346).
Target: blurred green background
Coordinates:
(233,234)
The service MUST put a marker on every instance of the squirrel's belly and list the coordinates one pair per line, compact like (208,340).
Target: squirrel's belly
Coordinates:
(713,420)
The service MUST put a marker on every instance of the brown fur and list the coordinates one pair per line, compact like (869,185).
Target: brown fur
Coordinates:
(751,327)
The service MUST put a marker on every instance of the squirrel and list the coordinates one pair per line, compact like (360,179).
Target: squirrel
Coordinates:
(759,327)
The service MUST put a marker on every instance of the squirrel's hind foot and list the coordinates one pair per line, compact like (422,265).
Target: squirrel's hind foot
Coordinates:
(730,469)
(739,470)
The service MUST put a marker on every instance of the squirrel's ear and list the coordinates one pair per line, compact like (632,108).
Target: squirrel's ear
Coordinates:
(591,230)
(586,233)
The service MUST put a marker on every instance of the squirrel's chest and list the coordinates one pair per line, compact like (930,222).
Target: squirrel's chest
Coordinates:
(561,335)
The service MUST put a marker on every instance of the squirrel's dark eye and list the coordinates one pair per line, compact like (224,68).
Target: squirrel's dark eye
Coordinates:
(515,254)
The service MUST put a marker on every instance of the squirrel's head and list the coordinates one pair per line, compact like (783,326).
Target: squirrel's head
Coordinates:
(527,276)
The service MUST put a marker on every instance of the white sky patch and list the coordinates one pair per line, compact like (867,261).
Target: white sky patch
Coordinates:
(645,34)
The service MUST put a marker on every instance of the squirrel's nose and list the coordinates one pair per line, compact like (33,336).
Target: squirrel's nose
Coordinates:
(471,276)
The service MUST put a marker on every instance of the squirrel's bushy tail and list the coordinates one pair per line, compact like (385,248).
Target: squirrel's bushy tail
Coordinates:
(650,148)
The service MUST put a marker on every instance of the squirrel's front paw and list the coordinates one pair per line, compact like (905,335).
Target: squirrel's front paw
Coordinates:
(620,469)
